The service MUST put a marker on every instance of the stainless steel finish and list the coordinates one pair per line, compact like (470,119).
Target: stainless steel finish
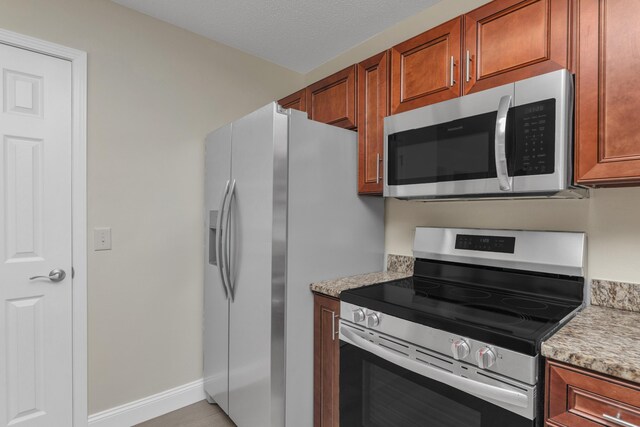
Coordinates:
(278,240)
(558,85)
(219,239)
(517,366)
(468,67)
(55,276)
(541,251)
(322,244)
(508,394)
(460,349)
(256,335)
(226,239)
(358,315)
(486,358)
(451,70)
(504,180)
(216,303)
(373,319)
(619,421)
(279,203)
(377,168)
(333,326)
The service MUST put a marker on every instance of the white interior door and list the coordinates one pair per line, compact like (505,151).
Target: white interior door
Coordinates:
(35,238)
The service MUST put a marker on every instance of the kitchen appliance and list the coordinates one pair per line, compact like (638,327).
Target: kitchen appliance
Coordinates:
(510,141)
(457,344)
(282,211)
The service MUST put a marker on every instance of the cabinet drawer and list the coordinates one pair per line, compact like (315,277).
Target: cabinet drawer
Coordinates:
(576,397)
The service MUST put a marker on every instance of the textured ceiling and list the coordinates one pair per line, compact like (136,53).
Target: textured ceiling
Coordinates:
(297,34)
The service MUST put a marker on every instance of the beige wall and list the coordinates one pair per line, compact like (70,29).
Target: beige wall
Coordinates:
(611,217)
(154,92)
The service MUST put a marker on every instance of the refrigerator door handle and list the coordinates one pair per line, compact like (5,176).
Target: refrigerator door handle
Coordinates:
(227,241)
(219,257)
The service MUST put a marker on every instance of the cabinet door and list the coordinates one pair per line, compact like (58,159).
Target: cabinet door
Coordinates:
(426,69)
(332,100)
(607,93)
(510,40)
(576,397)
(326,361)
(373,105)
(297,101)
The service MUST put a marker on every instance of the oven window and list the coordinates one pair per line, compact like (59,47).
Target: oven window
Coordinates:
(377,393)
(391,400)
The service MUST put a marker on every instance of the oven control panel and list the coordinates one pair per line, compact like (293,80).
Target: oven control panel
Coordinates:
(484,356)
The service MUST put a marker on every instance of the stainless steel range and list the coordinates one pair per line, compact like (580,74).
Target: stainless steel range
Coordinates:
(457,344)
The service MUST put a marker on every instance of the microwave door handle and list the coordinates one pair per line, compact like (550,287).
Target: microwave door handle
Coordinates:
(484,391)
(500,144)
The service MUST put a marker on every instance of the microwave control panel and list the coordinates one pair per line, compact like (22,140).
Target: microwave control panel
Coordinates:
(535,138)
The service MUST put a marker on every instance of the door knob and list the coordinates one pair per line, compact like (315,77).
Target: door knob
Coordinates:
(56,275)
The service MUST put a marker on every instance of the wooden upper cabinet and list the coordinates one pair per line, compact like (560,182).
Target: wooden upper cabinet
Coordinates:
(332,100)
(297,101)
(373,106)
(426,69)
(510,40)
(607,147)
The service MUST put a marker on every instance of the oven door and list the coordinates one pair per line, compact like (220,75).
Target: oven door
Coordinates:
(375,392)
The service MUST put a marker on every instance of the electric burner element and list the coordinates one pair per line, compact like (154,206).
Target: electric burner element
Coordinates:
(525,303)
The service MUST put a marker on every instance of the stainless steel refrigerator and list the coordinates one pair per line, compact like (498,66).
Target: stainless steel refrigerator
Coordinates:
(282,212)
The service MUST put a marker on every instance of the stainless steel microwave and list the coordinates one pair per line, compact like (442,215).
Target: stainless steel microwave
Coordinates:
(510,141)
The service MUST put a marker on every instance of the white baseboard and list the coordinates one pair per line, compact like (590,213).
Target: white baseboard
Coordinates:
(149,407)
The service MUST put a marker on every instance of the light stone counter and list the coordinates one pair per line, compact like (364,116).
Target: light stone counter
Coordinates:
(398,267)
(602,339)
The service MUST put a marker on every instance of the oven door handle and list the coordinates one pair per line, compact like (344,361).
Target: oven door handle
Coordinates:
(500,144)
(484,391)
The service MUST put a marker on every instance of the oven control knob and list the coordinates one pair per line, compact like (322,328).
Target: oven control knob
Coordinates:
(460,349)
(358,315)
(373,320)
(486,358)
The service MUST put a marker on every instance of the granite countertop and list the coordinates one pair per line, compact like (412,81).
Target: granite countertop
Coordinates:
(602,339)
(398,267)
(336,286)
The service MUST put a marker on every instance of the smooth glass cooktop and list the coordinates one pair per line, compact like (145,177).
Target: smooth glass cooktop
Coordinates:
(513,320)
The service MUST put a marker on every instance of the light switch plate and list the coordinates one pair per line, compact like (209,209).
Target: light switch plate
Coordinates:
(102,239)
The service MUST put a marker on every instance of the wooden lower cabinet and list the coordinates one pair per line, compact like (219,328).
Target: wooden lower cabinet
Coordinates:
(579,398)
(373,107)
(326,361)
(297,101)
(607,150)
